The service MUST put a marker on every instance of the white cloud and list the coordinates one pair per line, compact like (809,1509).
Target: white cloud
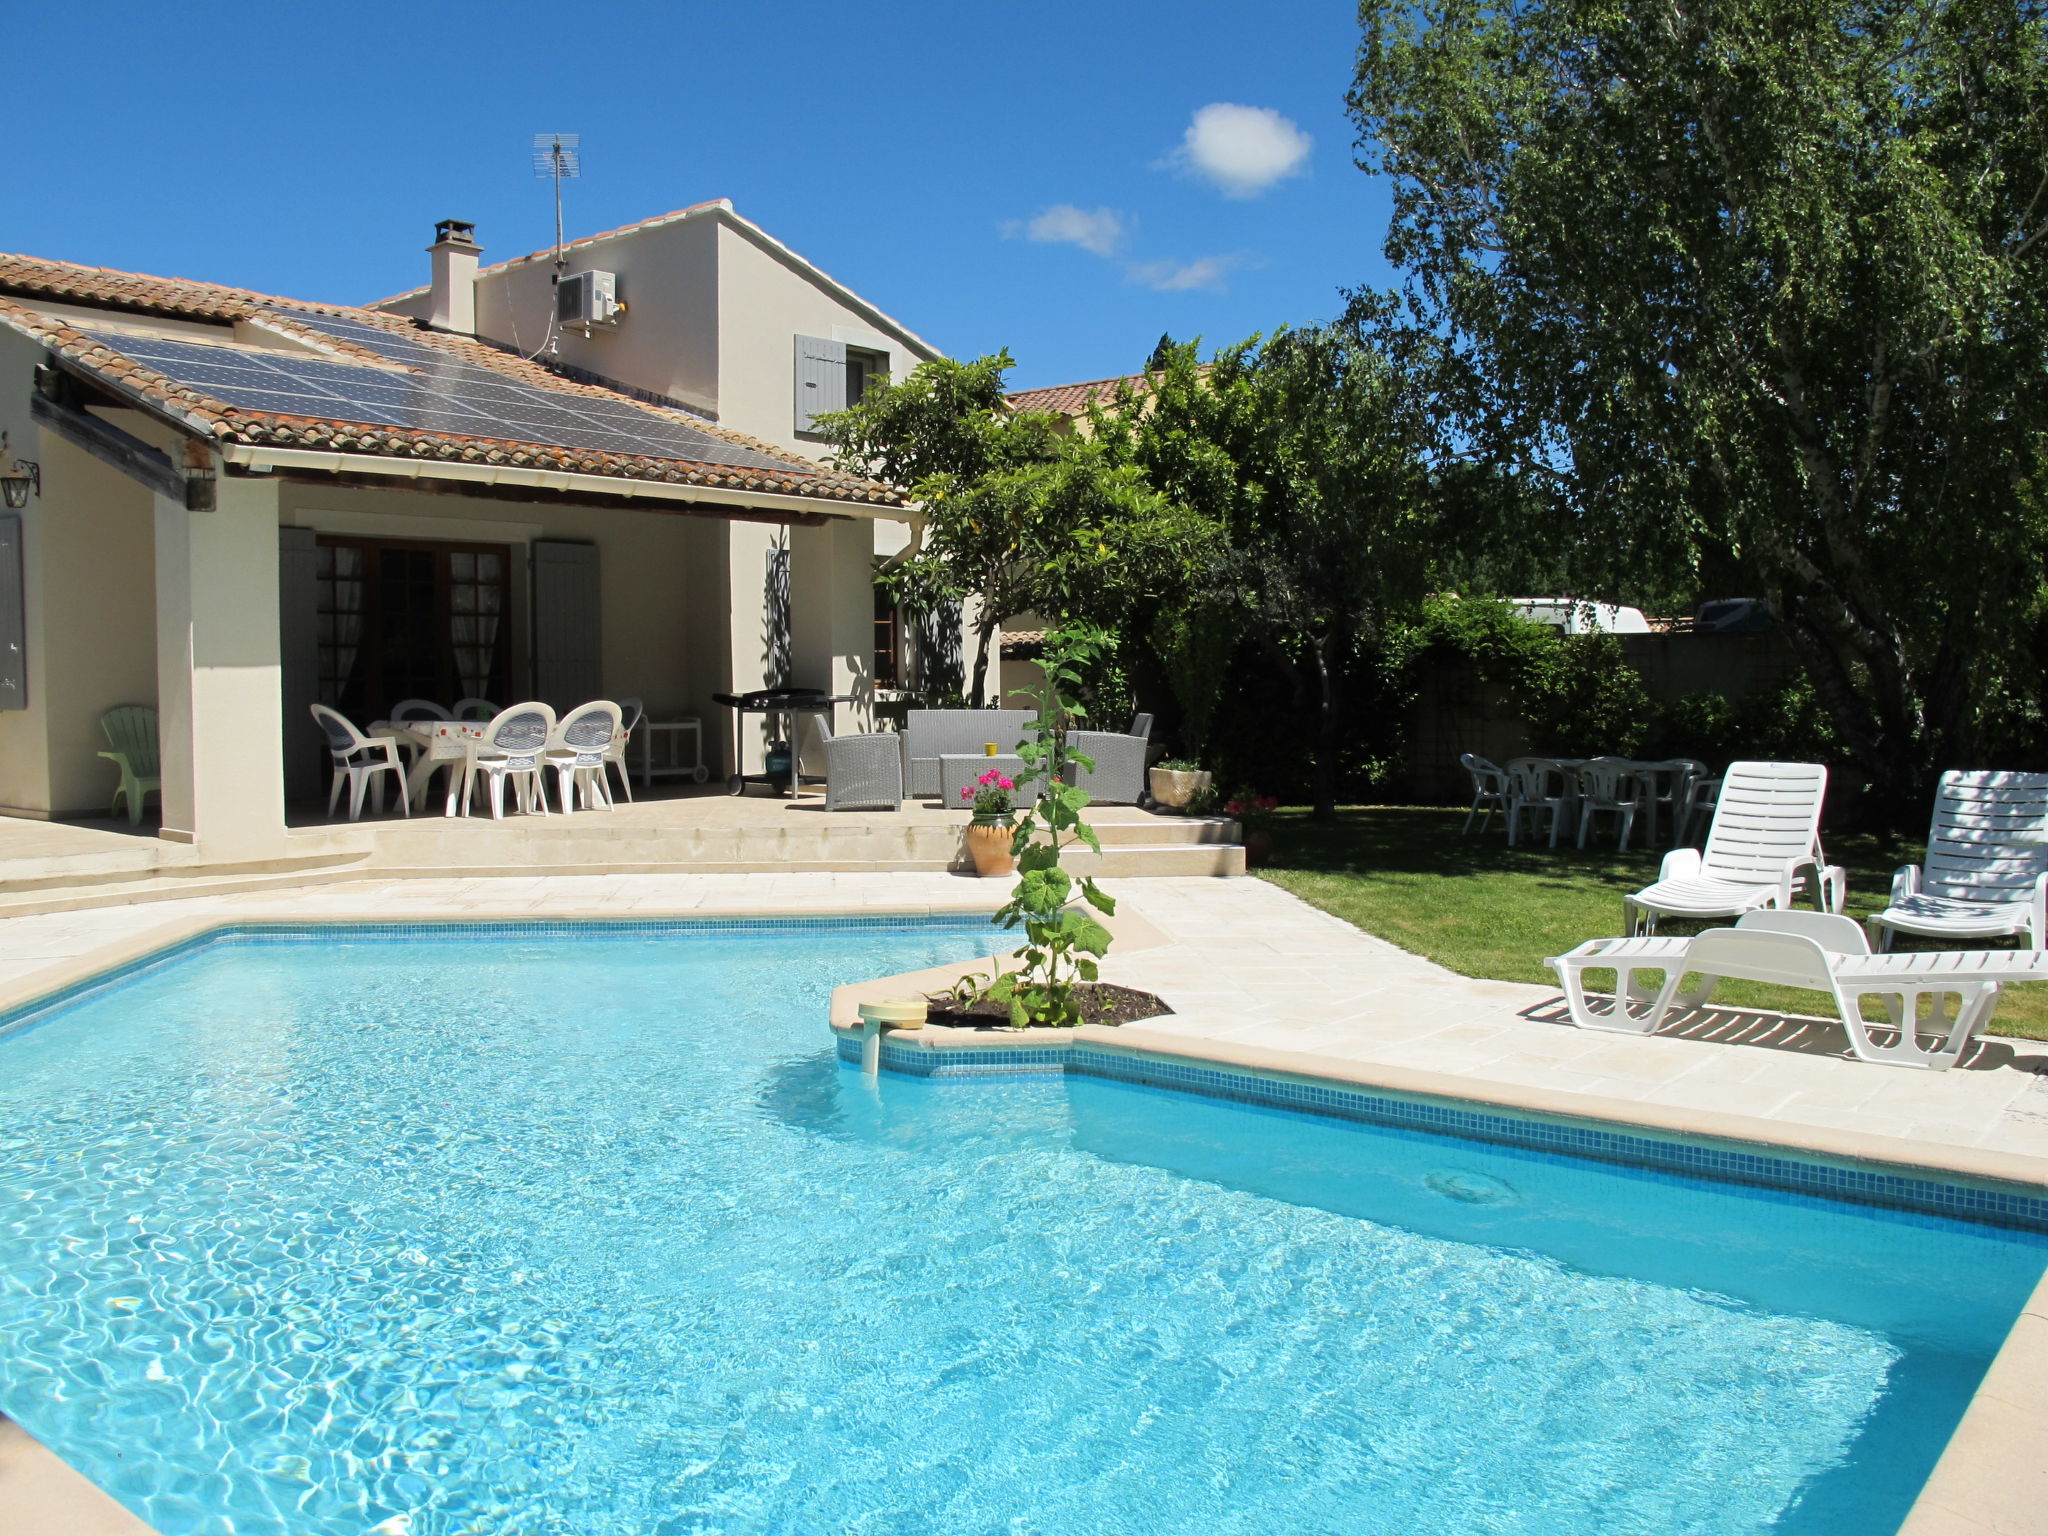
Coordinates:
(1101,230)
(1243,150)
(1205,273)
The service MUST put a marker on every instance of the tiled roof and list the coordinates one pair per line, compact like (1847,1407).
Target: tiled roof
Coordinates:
(1074,399)
(196,411)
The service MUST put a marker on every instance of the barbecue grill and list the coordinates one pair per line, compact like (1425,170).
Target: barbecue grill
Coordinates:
(790,703)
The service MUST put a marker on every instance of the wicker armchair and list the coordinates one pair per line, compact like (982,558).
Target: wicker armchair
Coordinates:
(862,772)
(1118,777)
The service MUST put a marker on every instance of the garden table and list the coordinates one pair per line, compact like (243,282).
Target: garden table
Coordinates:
(437,744)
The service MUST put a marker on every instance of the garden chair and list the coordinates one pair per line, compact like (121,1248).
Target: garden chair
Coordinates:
(131,731)
(358,761)
(1986,874)
(1609,784)
(512,746)
(475,709)
(1489,789)
(615,754)
(1702,794)
(576,751)
(416,709)
(862,772)
(1678,797)
(1118,777)
(420,709)
(1535,784)
(1817,951)
(1765,832)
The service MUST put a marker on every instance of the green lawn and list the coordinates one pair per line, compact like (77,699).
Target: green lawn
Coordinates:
(1481,908)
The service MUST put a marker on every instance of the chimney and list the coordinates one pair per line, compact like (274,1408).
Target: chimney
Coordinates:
(454,290)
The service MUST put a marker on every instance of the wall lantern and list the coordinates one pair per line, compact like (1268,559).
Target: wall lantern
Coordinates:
(20,478)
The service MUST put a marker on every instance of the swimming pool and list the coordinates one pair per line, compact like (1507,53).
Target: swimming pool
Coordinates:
(594,1235)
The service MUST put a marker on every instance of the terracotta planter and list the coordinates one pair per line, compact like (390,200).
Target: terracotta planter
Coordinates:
(1175,787)
(989,844)
(1258,847)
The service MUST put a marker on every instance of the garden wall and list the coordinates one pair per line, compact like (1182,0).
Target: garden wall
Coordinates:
(1457,711)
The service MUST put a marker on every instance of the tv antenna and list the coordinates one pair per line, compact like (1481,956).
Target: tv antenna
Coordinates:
(558,157)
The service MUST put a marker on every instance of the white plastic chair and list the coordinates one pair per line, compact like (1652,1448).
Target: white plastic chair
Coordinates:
(1702,794)
(1765,832)
(633,712)
(1489,789)
(1986,874)
(359,759)
(1608,784)
(475,709)
(1534,786)
(577,751)
(1817,951)
(512,747)
(1666,786)
(416,709)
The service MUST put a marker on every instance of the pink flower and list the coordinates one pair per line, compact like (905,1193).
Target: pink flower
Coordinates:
(995,776)
(966,792)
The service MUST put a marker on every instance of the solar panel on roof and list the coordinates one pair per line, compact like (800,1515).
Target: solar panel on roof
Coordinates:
(445,394)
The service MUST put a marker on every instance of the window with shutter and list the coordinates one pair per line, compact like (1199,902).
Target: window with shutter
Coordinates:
(820,379)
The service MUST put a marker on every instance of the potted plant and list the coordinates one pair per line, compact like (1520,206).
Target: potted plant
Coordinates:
(989,830)
(1254,817)
(1177,780)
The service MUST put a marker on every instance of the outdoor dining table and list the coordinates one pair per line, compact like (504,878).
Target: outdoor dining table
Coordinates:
(436,744)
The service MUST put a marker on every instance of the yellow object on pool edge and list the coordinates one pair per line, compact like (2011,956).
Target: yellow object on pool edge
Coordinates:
(988,749)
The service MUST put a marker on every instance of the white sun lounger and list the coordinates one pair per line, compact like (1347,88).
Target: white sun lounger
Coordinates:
(1765,833)
(1986,874)
(1817,951)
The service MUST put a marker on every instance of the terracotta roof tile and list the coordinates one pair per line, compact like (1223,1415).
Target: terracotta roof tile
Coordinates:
(1074,399)
(204,415)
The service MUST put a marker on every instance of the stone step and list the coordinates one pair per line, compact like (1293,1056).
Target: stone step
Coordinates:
(90,895)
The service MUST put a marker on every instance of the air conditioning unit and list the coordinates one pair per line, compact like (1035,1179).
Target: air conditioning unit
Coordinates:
(588,298)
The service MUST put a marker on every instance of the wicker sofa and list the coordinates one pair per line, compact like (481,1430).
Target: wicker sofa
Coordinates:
(929,734)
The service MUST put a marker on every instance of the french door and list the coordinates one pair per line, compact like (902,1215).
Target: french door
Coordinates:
(411,619)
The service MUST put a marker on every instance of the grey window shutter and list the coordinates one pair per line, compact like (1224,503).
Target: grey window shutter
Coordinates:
(298,656)
(567,658)
(13,618)
(820,379)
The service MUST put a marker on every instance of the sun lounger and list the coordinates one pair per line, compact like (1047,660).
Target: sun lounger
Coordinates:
(1817,951)
(1765,835)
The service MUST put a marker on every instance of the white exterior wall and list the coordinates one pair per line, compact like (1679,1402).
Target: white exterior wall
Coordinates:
(89,593)
(667,339)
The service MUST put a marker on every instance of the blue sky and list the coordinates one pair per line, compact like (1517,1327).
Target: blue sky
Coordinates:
(992,174)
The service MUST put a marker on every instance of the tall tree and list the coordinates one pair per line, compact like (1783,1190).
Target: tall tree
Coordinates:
(1761,281)
(1014,511)
(1305,450)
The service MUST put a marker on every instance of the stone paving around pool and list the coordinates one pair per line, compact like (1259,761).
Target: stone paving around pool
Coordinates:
(1249,967)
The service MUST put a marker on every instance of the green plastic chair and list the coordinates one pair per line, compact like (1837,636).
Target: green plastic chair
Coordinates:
(131,732)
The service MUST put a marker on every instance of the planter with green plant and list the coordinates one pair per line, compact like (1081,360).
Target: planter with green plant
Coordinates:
(1175,781)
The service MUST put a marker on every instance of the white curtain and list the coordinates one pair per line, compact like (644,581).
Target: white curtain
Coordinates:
(346,619)
(476,593)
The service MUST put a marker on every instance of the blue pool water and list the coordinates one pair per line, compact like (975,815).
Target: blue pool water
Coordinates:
(595,1237)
